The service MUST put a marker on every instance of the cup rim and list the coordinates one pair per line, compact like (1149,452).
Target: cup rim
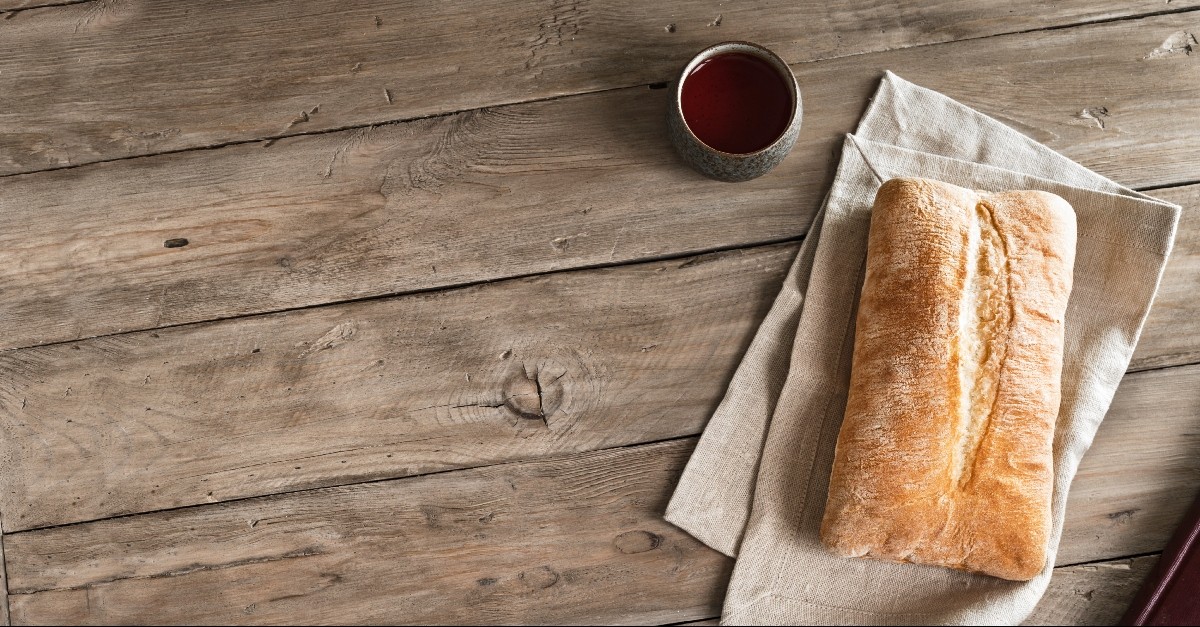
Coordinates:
(761,51)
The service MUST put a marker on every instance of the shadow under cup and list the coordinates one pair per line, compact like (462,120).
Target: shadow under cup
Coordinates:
(735,111)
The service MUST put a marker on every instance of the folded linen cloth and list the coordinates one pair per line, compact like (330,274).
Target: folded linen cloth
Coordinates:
(756,484)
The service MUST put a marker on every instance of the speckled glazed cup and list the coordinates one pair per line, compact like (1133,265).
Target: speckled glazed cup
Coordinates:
(726,166)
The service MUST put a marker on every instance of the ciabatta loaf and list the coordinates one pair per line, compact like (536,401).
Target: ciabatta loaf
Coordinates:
(944,456)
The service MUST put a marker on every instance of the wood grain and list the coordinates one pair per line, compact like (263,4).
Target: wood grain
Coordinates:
(573,182)
(572,540)
(597,366)
(110,79)
(453,379)
(525,368)
(486,545)
(1114,509)
(1092,594)
(1172,332)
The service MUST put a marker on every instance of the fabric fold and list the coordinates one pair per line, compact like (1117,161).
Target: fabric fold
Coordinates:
(755,486)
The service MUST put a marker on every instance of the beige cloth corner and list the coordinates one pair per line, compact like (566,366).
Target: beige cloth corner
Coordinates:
(755,486)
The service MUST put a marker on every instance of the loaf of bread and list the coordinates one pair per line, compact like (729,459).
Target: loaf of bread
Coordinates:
(945,453)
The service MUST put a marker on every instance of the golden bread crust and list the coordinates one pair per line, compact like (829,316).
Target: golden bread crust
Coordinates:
(945,453)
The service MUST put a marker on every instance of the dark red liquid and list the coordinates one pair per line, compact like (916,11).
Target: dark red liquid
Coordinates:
(736,103)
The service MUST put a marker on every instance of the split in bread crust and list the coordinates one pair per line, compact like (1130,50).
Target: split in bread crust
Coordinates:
(945,453)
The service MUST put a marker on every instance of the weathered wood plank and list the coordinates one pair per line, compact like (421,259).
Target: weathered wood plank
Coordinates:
(1172,332)
(107,79)
(429,382)
(1140,476)
(493,544)
(529,367)
(573,540)
(1092,594)
(566,183)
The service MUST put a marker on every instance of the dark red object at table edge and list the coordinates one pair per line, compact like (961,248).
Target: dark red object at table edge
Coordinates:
(1171,594)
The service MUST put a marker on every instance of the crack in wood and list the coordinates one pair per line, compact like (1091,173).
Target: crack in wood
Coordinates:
(537,381)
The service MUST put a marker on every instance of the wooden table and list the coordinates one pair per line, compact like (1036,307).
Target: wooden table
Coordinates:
(328,311)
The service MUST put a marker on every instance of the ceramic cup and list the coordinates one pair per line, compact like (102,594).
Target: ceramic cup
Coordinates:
(726,166)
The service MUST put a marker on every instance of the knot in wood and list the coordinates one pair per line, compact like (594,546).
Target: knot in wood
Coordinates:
(523,398)
(532,393)
(539,578)
(637,542)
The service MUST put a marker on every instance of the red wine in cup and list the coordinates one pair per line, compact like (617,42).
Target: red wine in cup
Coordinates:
(736,103)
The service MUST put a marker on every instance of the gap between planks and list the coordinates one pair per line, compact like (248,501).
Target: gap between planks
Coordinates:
(36,4)
(1186,229)
(698,255)
(691,355)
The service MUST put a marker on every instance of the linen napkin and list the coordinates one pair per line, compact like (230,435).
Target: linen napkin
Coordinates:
(756,484)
